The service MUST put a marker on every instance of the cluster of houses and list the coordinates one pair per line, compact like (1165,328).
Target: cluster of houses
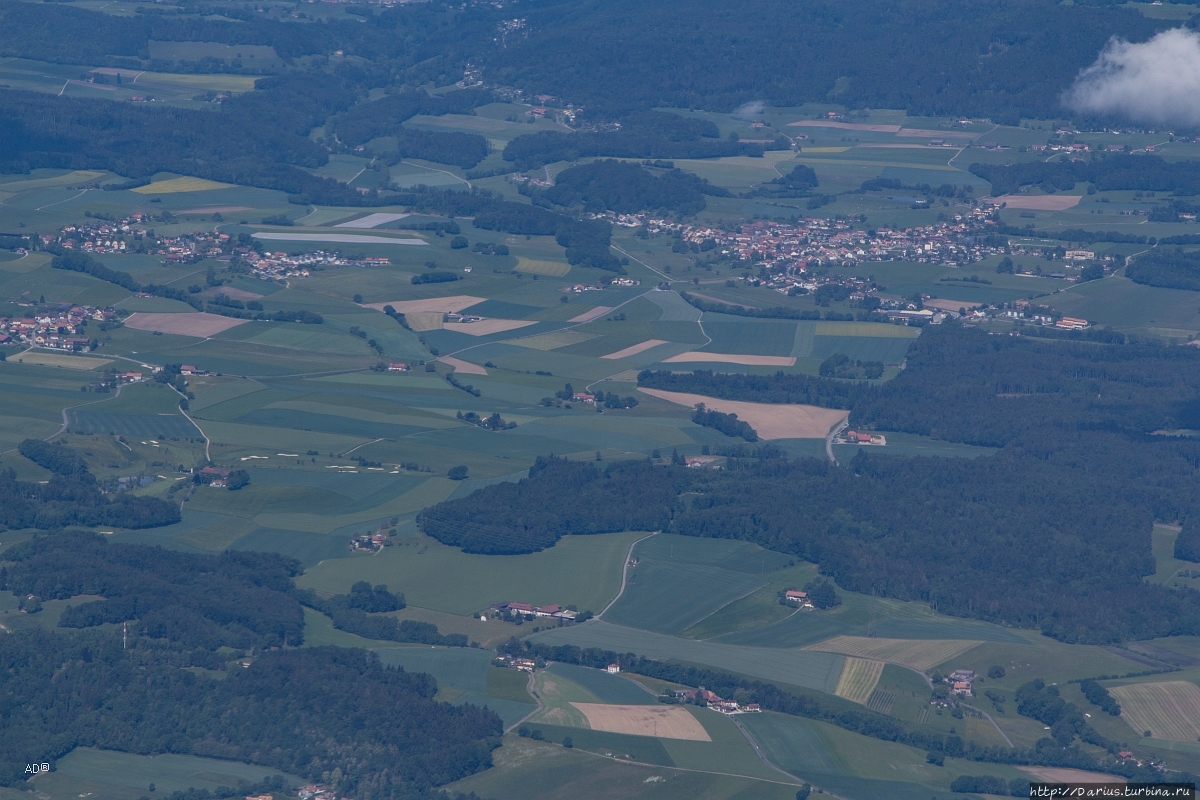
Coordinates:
(714,701)
(791,248)
(962,682)
(277,266)
(370,542)
(530,612)
(860,437)
(797,598)
(59,329)
(314,791)
(523,664)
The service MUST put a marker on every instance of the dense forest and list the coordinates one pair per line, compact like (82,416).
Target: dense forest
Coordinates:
(1108,172)
(1051,532)
(617,58)
(72,496)
(529,515)
(1001,60)
(1171,268)
(627,188)
(327,714)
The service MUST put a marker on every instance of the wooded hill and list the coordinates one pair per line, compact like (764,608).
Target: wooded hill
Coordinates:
(1052,532)
(313,712)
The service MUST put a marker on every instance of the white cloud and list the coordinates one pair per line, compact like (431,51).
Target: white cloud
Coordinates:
(748,110)
(1155,82)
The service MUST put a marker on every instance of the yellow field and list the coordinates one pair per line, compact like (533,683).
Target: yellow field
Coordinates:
(1169,710)
(463,367)
(824,149)
(424,320)
(486,327)
(732,358)
(665,722)
(554,269)
(873,329)
(45,359)
(920,654)
(770,420)
(858,679)
(633,350)
(175,185)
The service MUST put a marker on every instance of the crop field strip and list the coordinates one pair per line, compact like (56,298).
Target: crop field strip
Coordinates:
(858,679)
(920,654)
(1168,709)
(881,701)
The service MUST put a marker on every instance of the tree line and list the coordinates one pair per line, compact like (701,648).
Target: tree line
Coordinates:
(72,497)
(1106,171)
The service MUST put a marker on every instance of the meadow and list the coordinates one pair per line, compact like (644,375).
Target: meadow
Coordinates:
(336,450)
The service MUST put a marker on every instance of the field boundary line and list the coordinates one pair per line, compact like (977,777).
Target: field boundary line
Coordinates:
(364,444)
(431,169)
(537,698)
(207,441)
(988,717)
(643,263)
(763,756)
(625,573)
(704,771)
(66,422)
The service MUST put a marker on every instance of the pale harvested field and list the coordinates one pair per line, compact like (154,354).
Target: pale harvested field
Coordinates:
(665,722)
(553,269)
(445,305)
(845,126)
(634,349)
(595,313)
(486,327)
(45,359)
(771,420)
(733,358)
(824,149)
(465,367)
(1045,202)
(1064,775)
(858,679)
(951,305)
(371,220)
(197,324)
(552,340)
(920,654)
(424,320)
(1169,710)
(215,210)
(180,185)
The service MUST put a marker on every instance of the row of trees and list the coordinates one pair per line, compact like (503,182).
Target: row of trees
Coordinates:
(1107,172)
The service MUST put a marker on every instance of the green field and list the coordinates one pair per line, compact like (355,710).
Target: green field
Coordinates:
(584,571)
(108,775)
(807,669)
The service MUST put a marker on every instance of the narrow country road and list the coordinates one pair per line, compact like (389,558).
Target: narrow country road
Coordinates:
(625,573)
